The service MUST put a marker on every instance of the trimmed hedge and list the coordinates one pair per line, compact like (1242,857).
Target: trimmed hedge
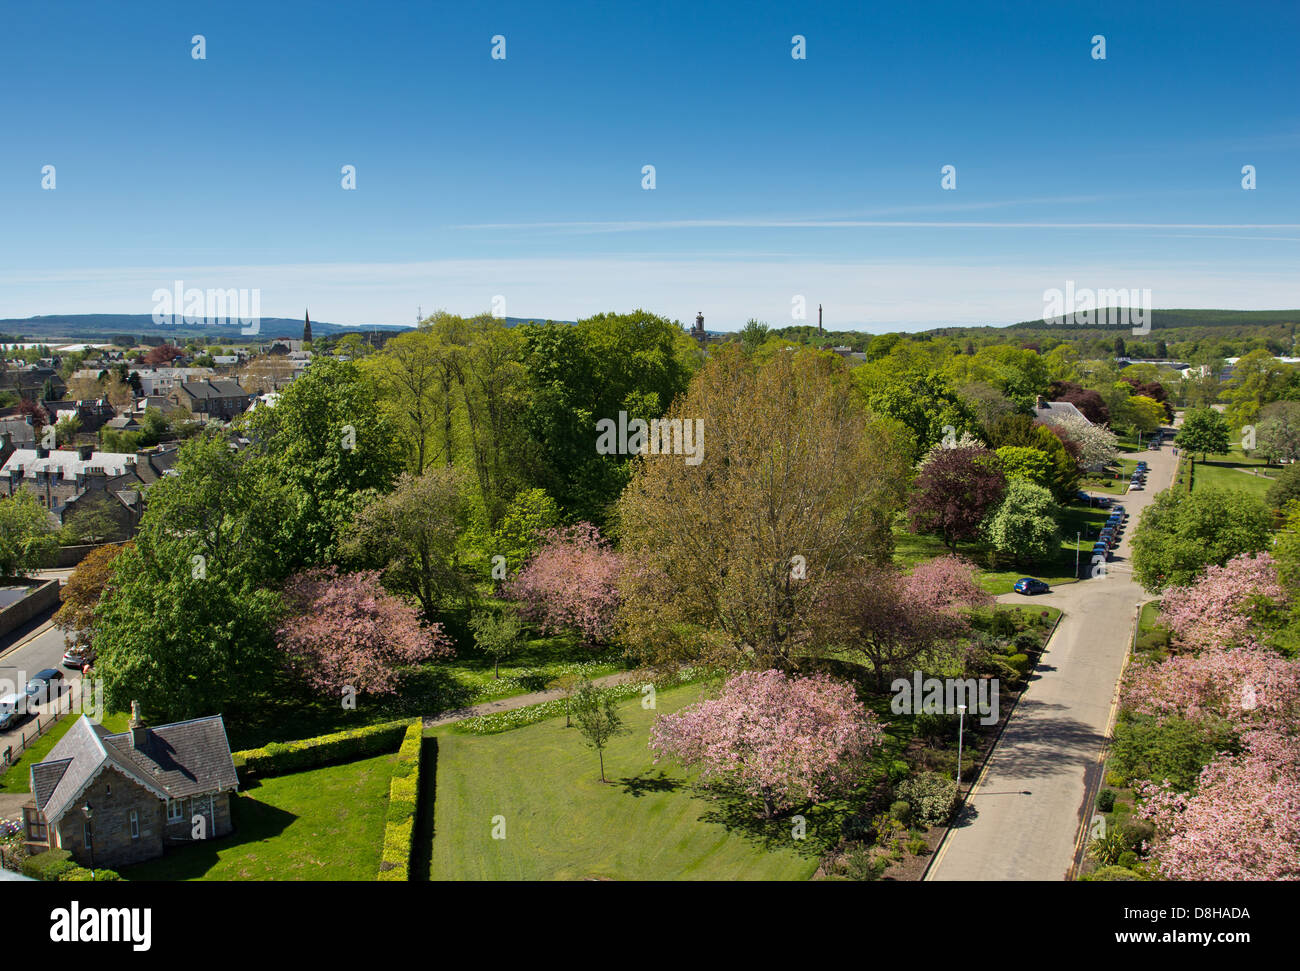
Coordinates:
(280,758)
(59,865)
(403,800)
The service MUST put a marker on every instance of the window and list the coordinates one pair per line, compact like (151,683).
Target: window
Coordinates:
(135,825)
(174,807)
(85,834)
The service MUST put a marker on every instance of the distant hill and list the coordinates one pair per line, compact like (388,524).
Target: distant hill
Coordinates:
(102,328)
(1165,319)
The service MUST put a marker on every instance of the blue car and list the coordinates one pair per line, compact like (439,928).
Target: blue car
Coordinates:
(1031,586)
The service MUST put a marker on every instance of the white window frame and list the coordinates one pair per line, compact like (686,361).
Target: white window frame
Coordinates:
(179,813)
(135,825)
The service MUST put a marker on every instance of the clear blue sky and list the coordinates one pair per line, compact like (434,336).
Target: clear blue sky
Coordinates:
(775,177)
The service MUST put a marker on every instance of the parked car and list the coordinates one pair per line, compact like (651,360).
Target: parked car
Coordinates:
(44,686)
(1103,551)
(1031,586)
(13,711)
(1135,485)
(78,656)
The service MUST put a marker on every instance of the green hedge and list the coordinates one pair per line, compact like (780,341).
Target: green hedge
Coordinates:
(403,800)
(280,758)
(59,865)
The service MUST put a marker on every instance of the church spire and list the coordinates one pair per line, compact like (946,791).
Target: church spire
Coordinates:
(306,327)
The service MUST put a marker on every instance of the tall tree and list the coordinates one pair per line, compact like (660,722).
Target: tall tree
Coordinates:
(795,481)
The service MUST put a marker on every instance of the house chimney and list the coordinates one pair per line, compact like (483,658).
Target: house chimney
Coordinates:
(84,452)
(1040,404)
(42,452)
(138,730)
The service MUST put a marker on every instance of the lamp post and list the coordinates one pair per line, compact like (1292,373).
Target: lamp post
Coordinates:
(90,836)
(1078,537)
(961,724)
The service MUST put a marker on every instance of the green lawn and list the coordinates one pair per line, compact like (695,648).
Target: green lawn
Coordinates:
(1147,619)
(323,824)
(563,823)
(1235,470)
(17,779)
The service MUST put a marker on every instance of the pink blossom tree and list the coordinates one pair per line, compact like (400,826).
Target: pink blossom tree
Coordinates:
(1247,687)
(1220,607)
(571,582)
(779,739)
(898,620)
(1243,823)
(346,630)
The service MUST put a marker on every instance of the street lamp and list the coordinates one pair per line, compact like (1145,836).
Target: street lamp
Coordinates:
(90,836)
(961,724)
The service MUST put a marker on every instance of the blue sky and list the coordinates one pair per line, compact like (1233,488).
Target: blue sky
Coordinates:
(775,177)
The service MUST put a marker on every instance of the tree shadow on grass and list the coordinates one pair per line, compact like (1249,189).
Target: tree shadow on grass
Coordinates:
(254,822)
(639,785)
(738,813)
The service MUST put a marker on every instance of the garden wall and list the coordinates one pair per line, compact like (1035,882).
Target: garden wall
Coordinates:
(44,595)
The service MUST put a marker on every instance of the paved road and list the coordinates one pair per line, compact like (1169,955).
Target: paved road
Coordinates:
(1022,819)
(36,652)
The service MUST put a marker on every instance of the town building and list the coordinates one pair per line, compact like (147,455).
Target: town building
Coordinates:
(116,799)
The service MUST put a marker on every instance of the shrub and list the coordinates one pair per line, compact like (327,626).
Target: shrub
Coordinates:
(1106,800)
(1128,860)
(917,846)
(902,811)
(932,797)
(403,801)
(858,827)
(1022,665)
(50,865)
(81,874)
(861,863)
(935,726)
(1156,639)
(280,758)
(1112,873)
(1138,831)
(1025,642)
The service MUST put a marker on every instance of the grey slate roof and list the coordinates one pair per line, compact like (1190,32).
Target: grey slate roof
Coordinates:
(177,761)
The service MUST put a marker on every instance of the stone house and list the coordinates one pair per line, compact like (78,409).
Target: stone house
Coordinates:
(221,399)
(116,799)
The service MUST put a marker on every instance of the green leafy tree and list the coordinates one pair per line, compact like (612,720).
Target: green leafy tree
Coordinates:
(1025,526)
(518,536)
(496,635)
(412,535)
(598,719)
(1277,434)
(1021,462)
(185,625)
(1181,533)
(29,537)
(1204,430)
(327,439)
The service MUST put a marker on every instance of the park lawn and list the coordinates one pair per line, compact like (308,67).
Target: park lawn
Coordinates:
(18,778)
(562,823)
(322,824)
(1235,470)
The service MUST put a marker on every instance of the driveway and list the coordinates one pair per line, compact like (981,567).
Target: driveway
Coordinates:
(1022,819)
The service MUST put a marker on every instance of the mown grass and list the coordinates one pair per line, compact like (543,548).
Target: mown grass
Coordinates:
(542,784)
(323,824)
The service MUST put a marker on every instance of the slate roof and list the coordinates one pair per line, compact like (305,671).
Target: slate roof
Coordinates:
(214,389)
(68,461)
(1057,409)
(177,761)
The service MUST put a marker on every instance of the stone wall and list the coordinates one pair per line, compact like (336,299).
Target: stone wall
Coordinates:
(44,596)
(112,797)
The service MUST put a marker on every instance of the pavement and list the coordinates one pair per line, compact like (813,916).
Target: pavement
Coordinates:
(1022,818)
(33,648)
